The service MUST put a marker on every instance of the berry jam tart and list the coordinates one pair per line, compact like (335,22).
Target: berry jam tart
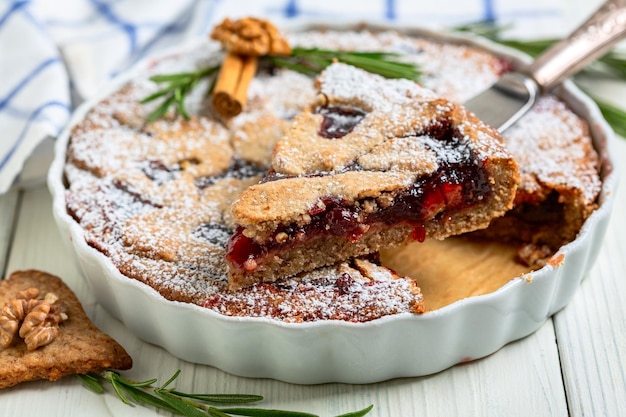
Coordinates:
(366,164)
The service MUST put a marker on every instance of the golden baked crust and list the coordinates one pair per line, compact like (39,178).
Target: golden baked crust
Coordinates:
(365,142)
(79,348)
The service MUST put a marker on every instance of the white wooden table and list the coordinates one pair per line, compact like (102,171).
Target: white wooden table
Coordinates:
(574,365)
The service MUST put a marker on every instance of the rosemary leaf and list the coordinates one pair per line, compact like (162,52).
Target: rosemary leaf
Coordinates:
(162,109)
(179,96)
(140,384)
(484,28)
(156,95)
(532,47)
(258,412)
(359,413)
(134,390)
(91,382)
(614,116)
(294,66)
(381,56)
(180,77)
(615,61)
(383,63)
(178,404)
(315,57)
(169,381)
(222,398)
(216,412)
(117,387)
(207,71)
(141,397)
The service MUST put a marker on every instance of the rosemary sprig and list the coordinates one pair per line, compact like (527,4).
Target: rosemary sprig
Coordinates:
(176,88)
(191,405)
(310,61)
(614,116)
(485,28)
(314,60)
(612,64)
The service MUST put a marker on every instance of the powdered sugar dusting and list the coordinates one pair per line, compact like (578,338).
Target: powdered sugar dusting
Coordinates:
(553,149)
(332,293)
(345,82)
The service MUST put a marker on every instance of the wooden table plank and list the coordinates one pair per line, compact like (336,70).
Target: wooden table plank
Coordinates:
(523,378)
(37,243)
(591,330)
(8,209)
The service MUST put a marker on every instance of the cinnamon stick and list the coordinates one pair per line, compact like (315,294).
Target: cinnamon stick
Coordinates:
(244,40)
(231,88)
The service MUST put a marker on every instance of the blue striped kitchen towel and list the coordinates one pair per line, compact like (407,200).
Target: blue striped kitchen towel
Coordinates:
(55,53)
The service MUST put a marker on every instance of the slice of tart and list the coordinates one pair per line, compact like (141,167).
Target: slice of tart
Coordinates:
(371,163)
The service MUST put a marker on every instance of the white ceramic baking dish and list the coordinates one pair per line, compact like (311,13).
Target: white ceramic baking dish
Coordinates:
(403,345)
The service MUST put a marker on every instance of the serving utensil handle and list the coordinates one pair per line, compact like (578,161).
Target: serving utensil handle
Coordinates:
(592,39)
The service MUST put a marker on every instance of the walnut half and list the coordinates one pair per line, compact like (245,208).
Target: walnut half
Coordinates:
(251,37)
(35,320)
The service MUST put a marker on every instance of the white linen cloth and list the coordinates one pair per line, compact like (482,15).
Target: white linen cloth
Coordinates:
(56,53)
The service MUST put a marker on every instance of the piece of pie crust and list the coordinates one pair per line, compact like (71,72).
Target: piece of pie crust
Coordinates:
(370,163)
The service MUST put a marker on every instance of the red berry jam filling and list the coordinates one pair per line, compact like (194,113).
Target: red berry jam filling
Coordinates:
(344,283)
(135,193)
(158,172)
(458,183)
(338,121)
(239,169)
(241,249)
(272,175)
(214,233)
